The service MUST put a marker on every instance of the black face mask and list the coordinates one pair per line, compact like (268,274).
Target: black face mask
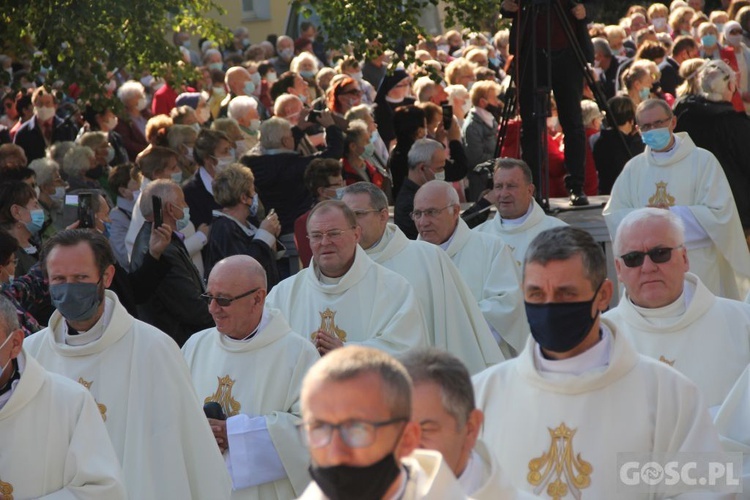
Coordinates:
(96,172)
(561,326)
(494,110)
(344,482)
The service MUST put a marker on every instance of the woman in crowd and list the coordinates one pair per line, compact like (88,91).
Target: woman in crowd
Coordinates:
(132,122)
(78,161)
(22,217)
(231,231)
(51,194)
(357,146)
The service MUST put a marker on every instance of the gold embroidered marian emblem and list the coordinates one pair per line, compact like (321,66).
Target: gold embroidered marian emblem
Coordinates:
(6,491)
(223,396)
(665,360)
(102,408)
(560,469)
(661,196)
(328,325)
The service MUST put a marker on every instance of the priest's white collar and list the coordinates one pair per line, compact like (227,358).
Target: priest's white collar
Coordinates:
(206,179)
(262,324)
(595,358)
(474,475)
(447,242)
(519,220)
(380,245)
(21,360)
(327,280)
(92,334)
(666,155)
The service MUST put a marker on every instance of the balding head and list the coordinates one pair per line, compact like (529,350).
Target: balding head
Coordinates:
(235,78)
(436,211)
(243,279)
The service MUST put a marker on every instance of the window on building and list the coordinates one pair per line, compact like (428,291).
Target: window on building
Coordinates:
(256,9)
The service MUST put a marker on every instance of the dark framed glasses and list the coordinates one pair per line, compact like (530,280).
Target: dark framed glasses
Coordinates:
(658,255)
(226,301)
(354,433)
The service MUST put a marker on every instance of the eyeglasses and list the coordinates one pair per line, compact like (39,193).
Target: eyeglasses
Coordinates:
(226,301)
(354,433)
(362,213)
(657,124)
(430,212)
(658,255)
(333,235)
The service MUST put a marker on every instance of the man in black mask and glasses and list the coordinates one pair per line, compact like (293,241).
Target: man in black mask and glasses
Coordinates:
(669,314)
(579,394)
(356,410)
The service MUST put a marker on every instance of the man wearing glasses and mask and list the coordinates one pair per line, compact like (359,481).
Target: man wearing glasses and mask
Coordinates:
(579,392)
(344,296)
(676,175)
(256,426)
(356,410)
(669,314)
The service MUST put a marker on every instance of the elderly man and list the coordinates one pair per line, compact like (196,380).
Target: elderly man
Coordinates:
(365,396)
(484,261)
(673,174)
(258,438)
(175,307)
(519,217)
(44,128)
(239,82)
(244,109)
(669,314)
(285,53)
(290,108)
(12,156)
(599,397)
(344,297)
(134,371)
(443,405)
(454,321)
(53,419)
(279,175)
(426,160)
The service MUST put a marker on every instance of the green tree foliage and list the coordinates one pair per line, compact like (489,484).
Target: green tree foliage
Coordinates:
(82,41)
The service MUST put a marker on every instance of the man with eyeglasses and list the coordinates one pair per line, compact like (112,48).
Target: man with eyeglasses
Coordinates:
(483,260)
(228,363)
(134,371)
(560,414)
(674,174)
(669,314)
(356,411)
(344,297)
(454,320)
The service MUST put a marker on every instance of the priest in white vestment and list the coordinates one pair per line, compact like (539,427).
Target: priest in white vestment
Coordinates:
(519,217)
(668,314)
(484,261)
(252,365)
(672,173)
(443,406)
(344,297)
(53,441)
(135,372)
(454,320)
(356,410)
(579,393)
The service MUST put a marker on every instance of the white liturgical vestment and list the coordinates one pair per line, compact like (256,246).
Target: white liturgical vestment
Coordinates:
(53,444)
(553,432)
(732,423)
(487,266)
(369,305)
(427,477)
(454,320)
(706,338)
(483,479)
(257,379)
(142,386)
(692,183)
(519,236)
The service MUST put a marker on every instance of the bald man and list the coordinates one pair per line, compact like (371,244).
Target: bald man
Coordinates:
(483,260)
(252,364)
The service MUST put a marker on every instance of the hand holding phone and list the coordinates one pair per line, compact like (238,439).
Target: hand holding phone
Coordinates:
(85,211)
(157,207)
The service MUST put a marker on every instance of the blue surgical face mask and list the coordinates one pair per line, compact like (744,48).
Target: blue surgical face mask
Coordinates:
(36,222)
(339,193)
(183,223)
(307,74)
(657,139)
(708,40)
(216,66)
(107,229)
(254,205)
(644,93)
(76,301)
(369,150)
(249,87)
(177,177)
(374,137)
(494,61)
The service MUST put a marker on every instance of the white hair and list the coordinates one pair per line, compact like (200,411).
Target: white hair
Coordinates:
(303,56)
(165,189)
(77,161)
(423,88)
(590,112)
(279,106)
(648,214)
(44,168)
(456,92)
(129,90)
(240,106)
(422,151)
(714,79)
(272,131)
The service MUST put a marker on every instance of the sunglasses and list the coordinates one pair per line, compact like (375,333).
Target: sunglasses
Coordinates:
(657,255)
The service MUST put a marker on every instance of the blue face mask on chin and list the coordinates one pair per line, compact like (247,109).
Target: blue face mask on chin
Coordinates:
(657,139)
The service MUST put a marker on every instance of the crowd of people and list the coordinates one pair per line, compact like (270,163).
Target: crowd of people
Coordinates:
(261,284)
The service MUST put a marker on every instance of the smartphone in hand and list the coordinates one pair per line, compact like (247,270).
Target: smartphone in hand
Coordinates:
(158,218)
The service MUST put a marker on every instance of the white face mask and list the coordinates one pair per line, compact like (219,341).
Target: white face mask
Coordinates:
(142,103)
(254,125)
(271,77)
(440,176)
(59,194)
(9,359)
(44,113)
(222,163)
